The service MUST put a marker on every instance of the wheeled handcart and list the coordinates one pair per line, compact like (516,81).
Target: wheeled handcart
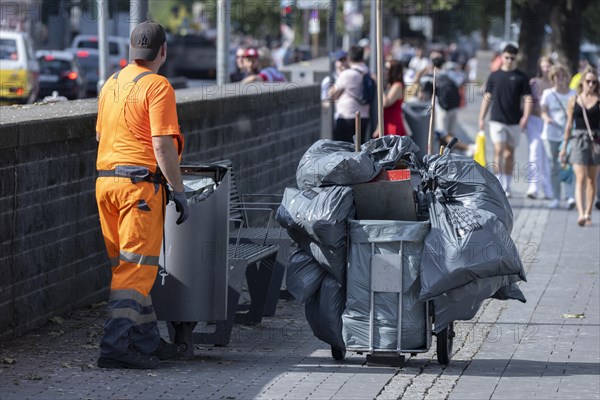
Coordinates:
(384,317)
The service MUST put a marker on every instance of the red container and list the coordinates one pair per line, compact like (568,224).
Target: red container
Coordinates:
(398,175)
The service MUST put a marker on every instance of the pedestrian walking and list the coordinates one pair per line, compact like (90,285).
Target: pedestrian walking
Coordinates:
(340,58)
(553,104)
(393,121)
(584,121)
(348,91)
(504,91)
(138,153)
(260,67)
(538,169)
(240,73)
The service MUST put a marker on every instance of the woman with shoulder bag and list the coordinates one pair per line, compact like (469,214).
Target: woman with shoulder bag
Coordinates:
(584,122)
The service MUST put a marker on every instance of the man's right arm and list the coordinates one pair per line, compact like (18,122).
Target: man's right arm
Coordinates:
(485,104)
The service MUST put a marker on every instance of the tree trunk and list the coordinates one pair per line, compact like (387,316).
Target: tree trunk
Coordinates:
(565,22)
(534,16)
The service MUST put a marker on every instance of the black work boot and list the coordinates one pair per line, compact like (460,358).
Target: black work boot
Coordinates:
(131,359)
(165,350)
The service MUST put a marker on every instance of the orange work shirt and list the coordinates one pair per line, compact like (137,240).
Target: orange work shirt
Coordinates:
(130,114)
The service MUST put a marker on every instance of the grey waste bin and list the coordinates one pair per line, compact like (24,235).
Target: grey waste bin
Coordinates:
(195,253)
(417,116)
(382,292)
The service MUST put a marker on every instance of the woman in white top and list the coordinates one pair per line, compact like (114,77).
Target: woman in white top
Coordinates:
(554,113)
(538,168)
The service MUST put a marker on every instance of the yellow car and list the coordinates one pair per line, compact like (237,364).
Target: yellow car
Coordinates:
(19,69)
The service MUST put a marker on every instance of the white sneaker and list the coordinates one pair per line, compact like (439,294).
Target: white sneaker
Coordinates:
(554,204)
(571,203)
(470,150)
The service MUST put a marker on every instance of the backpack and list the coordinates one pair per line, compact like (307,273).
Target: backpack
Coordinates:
(447,92)
(368,88)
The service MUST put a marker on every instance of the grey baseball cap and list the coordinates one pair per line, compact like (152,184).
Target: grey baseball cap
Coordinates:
(146,40)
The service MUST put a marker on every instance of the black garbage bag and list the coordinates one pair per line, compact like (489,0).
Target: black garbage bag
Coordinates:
(469,184)
(330,162)
(463,245)
(331,259)
(324,312)
(304,276)
(388,150)
(320,213)
(463,303)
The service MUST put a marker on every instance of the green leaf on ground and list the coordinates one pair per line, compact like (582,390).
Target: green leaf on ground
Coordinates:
(578,315)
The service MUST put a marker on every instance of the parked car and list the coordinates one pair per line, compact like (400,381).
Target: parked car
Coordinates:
(19,70)
(60,72)
(89,62)
(118,49)
(192,56)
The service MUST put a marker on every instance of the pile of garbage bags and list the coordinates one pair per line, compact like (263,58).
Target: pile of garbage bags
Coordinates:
(468,256)
(459,254)
(316,216)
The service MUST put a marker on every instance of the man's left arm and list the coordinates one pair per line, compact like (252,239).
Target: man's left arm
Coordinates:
(168,160)
(527,109)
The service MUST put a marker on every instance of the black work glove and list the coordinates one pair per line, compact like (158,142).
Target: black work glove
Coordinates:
(181,205)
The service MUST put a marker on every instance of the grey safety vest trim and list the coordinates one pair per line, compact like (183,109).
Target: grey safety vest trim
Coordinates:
(130,294)
(139,259)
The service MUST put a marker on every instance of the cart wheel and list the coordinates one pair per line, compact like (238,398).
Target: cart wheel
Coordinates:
(338,354)
(444,342)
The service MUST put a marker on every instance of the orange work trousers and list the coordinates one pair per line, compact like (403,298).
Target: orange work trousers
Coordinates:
(131,217)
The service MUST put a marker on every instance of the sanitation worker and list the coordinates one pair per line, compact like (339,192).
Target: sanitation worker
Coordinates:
(139,152)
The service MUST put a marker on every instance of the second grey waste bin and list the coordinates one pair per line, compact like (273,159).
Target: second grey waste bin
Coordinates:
(195,252)
(417,116)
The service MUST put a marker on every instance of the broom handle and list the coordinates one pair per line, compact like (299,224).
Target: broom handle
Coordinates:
(357,131)
(431,117)
(379,65)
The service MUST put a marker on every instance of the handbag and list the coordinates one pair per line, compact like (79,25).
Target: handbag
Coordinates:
(594,137)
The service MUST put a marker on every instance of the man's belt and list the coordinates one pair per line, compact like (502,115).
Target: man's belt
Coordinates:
(133,172)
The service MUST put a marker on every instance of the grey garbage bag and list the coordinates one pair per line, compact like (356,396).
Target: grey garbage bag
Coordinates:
(324,312)
(320,213)
(304,276)
(331,259)
(401,241)
(463,303)
(388,150)
(464,244)
(471,185)
(329,162)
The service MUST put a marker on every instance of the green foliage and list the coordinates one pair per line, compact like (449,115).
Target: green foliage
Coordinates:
(257,18)
(591,23)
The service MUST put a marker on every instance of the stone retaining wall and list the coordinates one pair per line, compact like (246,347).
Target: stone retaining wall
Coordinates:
(52,256)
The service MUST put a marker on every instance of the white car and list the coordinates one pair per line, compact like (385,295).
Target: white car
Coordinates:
(118,49)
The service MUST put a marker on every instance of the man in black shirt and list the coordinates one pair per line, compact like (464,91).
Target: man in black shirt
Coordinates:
(504,90)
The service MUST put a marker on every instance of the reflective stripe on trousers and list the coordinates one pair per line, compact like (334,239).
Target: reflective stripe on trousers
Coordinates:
(131,216)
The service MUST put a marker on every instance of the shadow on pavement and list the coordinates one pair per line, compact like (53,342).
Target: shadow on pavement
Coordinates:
(516,368)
